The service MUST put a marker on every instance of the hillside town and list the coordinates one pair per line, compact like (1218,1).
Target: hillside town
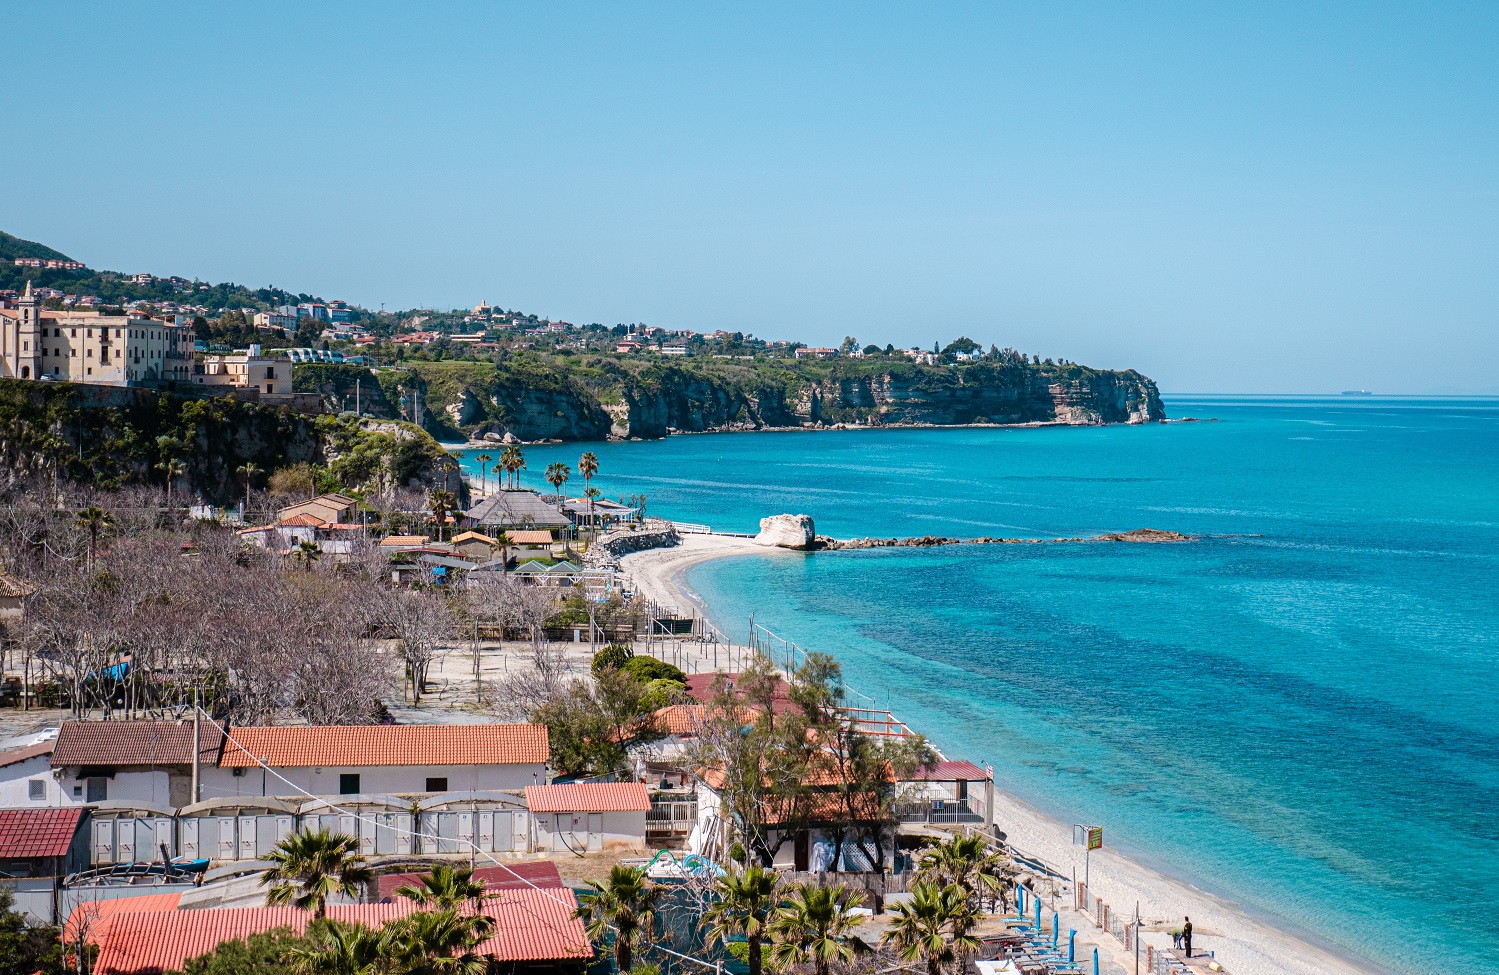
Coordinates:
(468,719)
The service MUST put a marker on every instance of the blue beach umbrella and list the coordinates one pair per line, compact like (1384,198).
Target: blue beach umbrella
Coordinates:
(1095,961)
(1038,914)
(1054,926)
(1071,945)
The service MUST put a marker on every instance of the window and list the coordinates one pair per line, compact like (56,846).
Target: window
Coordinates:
(437,783)
(36,789)
(98,789)
(348,783)
(77,792)
(270,372)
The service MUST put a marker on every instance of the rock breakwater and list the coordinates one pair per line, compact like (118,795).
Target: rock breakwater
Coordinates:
(1138,536)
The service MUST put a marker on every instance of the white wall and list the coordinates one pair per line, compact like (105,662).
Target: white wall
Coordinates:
(15,792)
(153,787)
(594,832)
(381,780)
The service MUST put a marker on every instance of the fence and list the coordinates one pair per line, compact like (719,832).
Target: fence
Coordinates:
(940,811)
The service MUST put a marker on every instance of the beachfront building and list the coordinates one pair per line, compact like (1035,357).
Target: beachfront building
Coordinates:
(144,762)
(589,817)
(377,760)
(507,509)
(38,848)
(84,346)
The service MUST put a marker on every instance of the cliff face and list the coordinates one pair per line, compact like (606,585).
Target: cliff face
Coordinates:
(112,436)
(972,396)
(547,400)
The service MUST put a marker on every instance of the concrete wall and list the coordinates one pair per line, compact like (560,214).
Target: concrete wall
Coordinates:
(385,780)
(15,789)
(155,786)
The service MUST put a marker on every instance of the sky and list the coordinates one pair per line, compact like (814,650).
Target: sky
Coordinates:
(1266,197)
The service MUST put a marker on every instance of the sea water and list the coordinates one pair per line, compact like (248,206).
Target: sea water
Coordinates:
(1300,711)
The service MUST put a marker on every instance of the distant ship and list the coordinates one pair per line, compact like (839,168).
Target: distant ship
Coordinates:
(1357,392)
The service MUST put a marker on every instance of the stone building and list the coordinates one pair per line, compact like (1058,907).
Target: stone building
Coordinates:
(91,347)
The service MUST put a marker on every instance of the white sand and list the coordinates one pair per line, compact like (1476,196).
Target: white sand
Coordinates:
(1243,944)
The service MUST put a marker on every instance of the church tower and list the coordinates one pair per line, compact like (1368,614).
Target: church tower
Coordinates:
(24,357)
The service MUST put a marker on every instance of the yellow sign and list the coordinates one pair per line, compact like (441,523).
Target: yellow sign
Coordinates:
(1095,837)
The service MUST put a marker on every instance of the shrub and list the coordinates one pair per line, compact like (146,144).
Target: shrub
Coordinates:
(649,669)
(614,656)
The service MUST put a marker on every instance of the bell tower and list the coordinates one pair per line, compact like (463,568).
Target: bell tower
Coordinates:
(25,353)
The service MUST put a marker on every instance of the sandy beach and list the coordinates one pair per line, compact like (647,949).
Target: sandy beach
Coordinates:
(1243,943)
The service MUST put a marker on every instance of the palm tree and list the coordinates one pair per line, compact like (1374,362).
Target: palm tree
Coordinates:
(440,503)
(626,902)
(484,460)
(513,461)
(309,866)
(588,466)
(96,521)
(331,948)
(173,469)
(592,494)
(557,475)
(932,926)
(502,542)
(745,905)
(967,862)
(248,470)
(446,887)
(439,943)
(308,553)
(813,927)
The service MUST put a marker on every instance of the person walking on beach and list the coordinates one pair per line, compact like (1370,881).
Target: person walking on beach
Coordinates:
(1187,937)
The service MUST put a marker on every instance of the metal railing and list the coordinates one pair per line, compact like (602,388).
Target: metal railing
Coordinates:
(940,811)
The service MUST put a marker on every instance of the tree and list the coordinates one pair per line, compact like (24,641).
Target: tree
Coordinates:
(588,466)
(814,927)
(745,905)
(171,468)
(484,460)
(503,542)
(513,460)
(440,503)
(331,948)
(592,726)
(932,926)
(27,948)
(421,622)
(626,902)
(308,553)
(308,867)
(967,863)
(848,345)
(96,521)
(439,943)
(557,475)
(267,953)
(296,481)
(247,470)
(446,887)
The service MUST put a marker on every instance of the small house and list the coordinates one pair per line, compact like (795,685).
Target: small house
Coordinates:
(38,848)
(325,508)
(589,816)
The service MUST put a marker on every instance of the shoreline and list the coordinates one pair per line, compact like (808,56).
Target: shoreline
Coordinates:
(1245,941)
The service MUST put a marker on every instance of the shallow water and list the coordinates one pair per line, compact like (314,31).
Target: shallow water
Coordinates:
(1298,712)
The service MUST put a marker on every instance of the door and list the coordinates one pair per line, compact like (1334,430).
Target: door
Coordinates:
(504,832)
(402,823)
(486,831)
(366,837)
(124,841)
(228,849)
(465,831)
(187,839)
(162,837)
(595,832)
(522,835)
(285,826)
(802,850)
(104,841)
(246,838)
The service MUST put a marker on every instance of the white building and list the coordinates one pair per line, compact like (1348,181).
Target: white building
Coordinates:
(378,760)
(26,777)
(584,817)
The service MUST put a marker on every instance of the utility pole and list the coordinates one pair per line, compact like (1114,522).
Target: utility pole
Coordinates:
(197,749)
(356,397)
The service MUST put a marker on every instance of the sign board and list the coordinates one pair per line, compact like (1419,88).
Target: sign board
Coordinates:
(1095,837)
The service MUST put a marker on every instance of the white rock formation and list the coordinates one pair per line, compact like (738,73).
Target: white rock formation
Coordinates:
(786,531)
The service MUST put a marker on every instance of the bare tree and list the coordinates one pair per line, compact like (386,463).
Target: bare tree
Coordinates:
(421,622)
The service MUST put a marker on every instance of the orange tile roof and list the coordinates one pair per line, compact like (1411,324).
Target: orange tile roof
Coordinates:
(94,917)
(26,833)
(16,755)
(302,520)
(682,719)
(530,925)
(374,745)
(588,797)
(529,537)
(391,541)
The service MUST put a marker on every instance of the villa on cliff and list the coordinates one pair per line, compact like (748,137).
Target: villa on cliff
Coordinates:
(91,347)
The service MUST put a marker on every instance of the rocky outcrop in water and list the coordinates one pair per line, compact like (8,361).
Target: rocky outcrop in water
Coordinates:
(787,531)
(1138,536)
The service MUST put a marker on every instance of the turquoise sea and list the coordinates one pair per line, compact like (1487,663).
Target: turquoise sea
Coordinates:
(1300,712)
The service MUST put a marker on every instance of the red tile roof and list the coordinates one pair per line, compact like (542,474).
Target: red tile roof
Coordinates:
(27,833)
(94,917)
(375,745)
(588,797)
(682,719)
(949,772)
(15,755)
(520,875)
(302,520)
(530,925)
(133,743)
(700,688)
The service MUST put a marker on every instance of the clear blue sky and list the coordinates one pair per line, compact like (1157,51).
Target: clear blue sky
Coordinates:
(1269,197)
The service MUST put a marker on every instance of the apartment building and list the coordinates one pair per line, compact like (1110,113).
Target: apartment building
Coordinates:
(84,346)
(249,370)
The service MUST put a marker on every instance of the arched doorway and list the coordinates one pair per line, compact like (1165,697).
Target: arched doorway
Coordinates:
(25,372)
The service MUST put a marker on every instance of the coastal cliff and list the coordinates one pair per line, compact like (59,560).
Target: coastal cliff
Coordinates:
(575,398)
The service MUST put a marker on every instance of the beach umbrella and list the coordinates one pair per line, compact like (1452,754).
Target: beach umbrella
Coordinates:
(1038,914)
(1095,961)
(1071,945)
(1054,925)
